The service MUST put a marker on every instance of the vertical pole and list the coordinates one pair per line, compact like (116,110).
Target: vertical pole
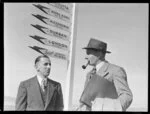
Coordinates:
(71,61)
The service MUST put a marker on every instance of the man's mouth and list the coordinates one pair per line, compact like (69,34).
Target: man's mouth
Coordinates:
(48,71)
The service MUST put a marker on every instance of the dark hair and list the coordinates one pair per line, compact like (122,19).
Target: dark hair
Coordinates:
(39,57)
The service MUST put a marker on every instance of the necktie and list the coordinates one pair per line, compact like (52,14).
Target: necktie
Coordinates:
(44,84)
(94,70)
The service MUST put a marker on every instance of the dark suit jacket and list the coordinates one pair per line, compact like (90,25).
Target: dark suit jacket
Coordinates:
(29,96)
(115,75)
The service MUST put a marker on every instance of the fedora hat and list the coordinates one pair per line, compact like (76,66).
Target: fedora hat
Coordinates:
(97,45)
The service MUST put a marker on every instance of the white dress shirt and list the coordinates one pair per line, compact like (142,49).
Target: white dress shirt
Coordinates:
(40,80)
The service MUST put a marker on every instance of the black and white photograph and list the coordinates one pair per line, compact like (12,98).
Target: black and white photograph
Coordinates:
(76,57)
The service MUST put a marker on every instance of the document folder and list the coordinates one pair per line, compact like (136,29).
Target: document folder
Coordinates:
(98,87)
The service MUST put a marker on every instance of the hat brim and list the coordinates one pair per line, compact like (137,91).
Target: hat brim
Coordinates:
(96,49)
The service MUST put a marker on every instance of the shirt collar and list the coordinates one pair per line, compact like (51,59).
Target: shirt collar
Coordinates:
(40,79)
(98,66)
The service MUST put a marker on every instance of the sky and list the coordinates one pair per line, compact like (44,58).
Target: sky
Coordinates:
(124,27)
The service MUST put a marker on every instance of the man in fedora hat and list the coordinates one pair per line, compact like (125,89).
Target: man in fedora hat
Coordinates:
(106,87)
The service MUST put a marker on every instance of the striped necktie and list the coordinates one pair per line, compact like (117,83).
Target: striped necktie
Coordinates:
(44,84)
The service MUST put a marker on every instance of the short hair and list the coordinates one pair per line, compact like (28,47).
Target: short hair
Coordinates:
(39,57)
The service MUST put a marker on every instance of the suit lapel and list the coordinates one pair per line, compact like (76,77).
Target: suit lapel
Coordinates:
(103,70)
(50,92)
(36,91)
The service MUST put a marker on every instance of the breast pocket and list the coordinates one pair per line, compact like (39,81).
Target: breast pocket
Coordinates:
(108,76)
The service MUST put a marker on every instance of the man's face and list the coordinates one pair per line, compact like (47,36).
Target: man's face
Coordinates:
(43,67)
(93,56)
(92,59)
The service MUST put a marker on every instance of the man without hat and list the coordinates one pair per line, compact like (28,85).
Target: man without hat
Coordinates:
(106,87)
(40,93)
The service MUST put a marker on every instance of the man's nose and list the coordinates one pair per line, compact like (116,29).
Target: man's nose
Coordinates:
(88,57)
(48,66)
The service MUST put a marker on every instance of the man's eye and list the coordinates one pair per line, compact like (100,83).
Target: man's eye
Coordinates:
(47,64)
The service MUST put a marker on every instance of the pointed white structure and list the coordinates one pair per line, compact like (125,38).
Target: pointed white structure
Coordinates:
(71,61)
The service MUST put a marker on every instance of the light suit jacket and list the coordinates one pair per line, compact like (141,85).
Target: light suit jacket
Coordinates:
(29,96)
(117,76)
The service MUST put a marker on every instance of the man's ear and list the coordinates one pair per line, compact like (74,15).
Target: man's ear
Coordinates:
(101,55)
(36,66)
